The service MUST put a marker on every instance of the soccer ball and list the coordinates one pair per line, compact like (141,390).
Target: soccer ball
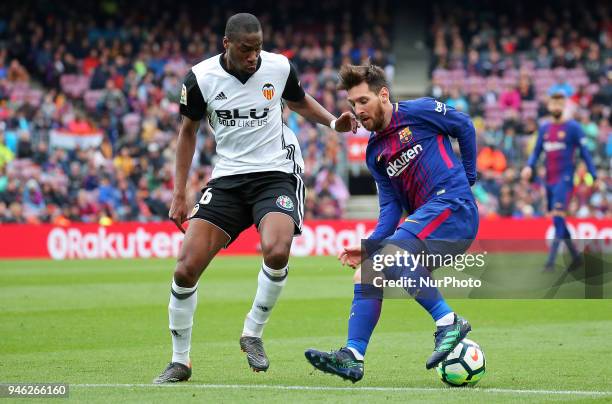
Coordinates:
(464,366)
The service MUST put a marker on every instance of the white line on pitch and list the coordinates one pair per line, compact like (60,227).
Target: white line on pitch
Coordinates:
(350,389)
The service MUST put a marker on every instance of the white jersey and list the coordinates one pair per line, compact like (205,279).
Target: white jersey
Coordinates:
(245,114)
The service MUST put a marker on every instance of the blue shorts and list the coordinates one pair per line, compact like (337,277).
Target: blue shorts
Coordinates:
(558,195)
(448,224)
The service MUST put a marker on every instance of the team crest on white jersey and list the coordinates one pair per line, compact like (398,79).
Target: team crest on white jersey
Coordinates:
(268,91)
(284,202)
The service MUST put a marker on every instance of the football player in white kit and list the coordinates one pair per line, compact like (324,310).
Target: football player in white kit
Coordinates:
(255,181)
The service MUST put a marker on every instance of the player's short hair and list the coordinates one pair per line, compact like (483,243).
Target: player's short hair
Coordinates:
(558,96)
(351,76)
(241,23)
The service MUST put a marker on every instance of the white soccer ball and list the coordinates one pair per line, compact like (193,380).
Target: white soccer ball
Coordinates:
(464,366)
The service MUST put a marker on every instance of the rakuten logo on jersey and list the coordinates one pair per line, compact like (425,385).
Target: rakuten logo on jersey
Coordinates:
(397,166)
(72,243)
(554,146)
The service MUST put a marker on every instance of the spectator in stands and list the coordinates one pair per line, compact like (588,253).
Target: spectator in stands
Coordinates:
(501,40)
(4,212)
(328,180)
(141,73)
(16,72)
(525,88)
(506,202)
(24,146)
(15,214)
(124,162)
(87,210)
(55,194)
(112,100)
(11,193)
(59,217)
(510,98)
(327,207)
(543,60)
(457,100)
(33,202)
(491,158)
(6,155)
(79,125)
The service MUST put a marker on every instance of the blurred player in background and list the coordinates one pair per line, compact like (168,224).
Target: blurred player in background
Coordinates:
(256,180)
(410,156)
(559,140)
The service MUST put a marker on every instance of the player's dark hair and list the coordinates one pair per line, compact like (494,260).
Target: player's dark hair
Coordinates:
(351,76)
(241,23)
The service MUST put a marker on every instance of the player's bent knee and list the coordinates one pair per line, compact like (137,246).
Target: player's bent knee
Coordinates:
(187,272)
(277,258)
(276,255)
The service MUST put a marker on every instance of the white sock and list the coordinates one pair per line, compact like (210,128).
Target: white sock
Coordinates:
(181,308)
(356,354)
(447,319)
(270,283)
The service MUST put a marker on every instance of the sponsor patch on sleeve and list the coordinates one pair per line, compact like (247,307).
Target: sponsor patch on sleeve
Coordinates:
(184,95)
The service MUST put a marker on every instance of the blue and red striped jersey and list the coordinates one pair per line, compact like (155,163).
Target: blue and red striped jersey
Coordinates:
(559,142)
(412,160)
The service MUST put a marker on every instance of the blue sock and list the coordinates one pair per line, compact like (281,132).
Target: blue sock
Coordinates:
(567,238)
(561,233)
(365,312)
(552,254)
(429,298)
(570,246)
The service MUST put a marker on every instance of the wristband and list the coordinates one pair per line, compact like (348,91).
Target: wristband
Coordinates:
(332,124)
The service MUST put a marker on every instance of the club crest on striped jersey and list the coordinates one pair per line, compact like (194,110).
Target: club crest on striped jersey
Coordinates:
(561,134)
(268,91)
(405,135)
(284,202)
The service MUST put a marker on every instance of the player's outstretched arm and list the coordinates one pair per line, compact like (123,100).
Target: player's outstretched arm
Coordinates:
(527,171)
(390,207)
(466,136)
(310,109)
(455,124)
(580,141)
(185,149)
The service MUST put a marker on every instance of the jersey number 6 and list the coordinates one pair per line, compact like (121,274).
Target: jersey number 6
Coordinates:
(206,197)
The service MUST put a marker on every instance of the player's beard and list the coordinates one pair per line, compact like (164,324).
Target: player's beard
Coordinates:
(378,119)
(556,115)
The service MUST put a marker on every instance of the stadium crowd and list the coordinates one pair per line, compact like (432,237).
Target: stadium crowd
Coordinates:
(88,101)
(499,65)
(110,76)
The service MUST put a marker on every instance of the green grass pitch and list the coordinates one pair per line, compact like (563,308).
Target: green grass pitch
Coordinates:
(101,326)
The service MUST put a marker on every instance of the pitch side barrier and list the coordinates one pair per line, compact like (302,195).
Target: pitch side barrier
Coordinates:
(319,238)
